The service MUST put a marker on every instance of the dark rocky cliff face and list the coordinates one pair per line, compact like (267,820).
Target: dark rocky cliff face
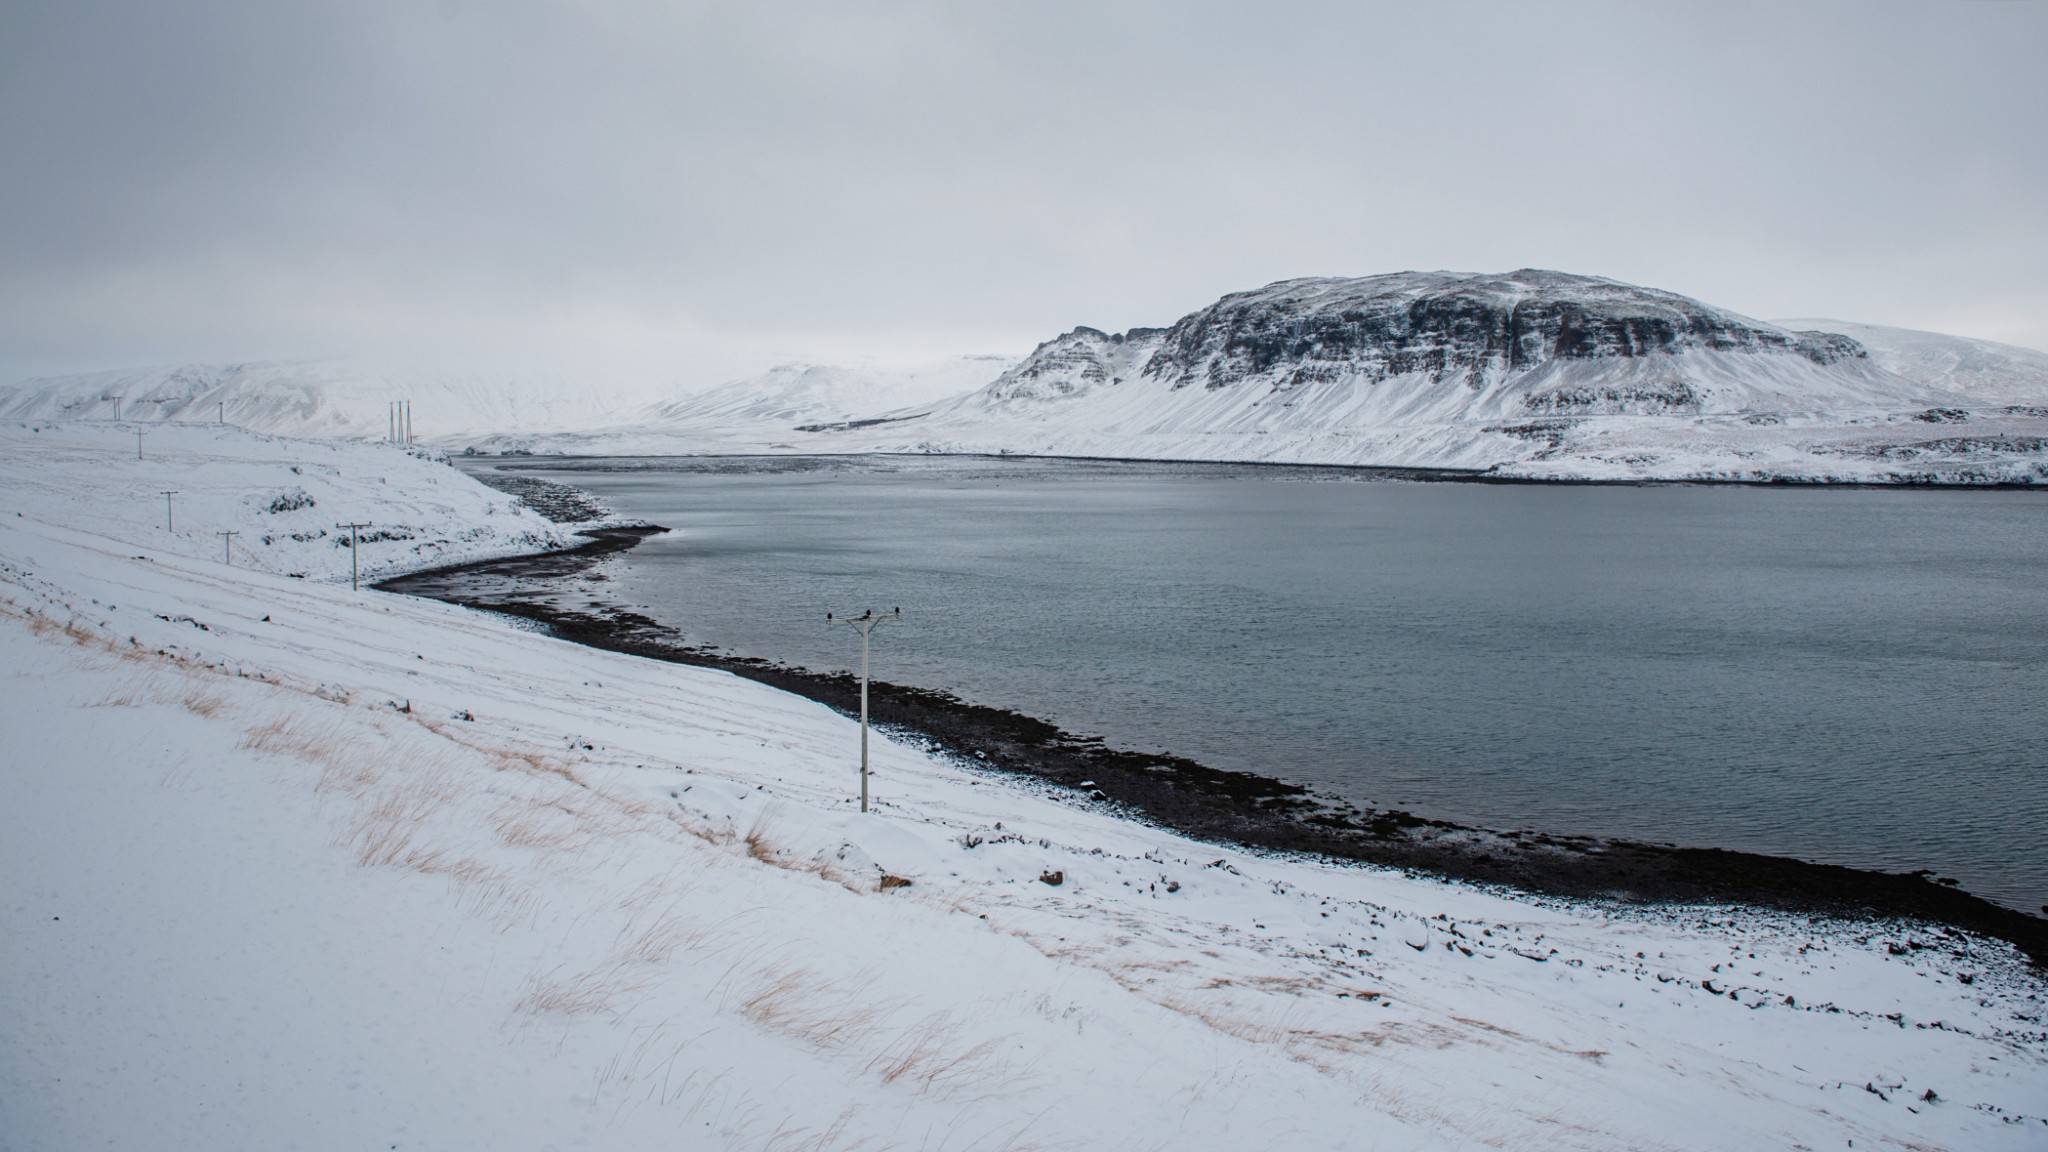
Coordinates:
(1075,362)
(1449,326)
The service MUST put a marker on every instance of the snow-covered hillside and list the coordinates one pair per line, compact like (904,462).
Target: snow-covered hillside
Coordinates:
(289,865)
(1530,373)
(284,499)
(331,398)
(769,412)
(1982,370)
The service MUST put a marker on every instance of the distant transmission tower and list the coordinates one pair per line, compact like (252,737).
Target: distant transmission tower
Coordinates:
(864,624)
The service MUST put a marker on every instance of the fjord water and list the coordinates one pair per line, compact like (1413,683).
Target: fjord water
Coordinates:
(1853,676)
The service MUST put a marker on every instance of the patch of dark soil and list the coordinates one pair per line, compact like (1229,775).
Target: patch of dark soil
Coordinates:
(1240,807)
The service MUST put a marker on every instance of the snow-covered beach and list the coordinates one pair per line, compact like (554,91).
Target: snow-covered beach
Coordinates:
(299,866)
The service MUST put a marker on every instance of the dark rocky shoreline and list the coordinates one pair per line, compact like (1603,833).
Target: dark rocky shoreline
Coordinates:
(1238,807)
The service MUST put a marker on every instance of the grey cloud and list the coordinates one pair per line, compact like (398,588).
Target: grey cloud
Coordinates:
(683,187)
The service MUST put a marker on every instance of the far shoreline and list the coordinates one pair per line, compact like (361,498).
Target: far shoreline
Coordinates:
(558,462)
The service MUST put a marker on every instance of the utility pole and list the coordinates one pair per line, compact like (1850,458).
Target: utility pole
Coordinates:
(391,420)
(138,441)
(864,624)
(169,525)
(352,551)
(223,418)
(227,547)
(117,407)
(408,422)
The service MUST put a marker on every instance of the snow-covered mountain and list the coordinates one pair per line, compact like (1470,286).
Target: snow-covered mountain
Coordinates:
(1530,373)
(773,411)
(326,398)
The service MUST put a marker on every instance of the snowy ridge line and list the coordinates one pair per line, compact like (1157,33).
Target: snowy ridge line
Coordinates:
(1237,808)
(500,890)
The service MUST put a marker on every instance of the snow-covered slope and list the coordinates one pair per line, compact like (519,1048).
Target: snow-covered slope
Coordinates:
(331,398)
(1528,373)
(289,866)
(1982,370)
(284,498)
(772,411)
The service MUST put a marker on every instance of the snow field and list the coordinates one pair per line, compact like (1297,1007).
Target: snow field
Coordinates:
(284,497)
(292,866)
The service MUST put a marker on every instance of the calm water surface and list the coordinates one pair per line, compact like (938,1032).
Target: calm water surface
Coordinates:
(1851,676)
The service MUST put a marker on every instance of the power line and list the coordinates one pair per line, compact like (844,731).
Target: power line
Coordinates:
(352,551)
(864,623)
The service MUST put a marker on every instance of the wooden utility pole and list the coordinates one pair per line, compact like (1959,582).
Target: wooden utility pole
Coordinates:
(138,442)
(169,525)
(864,624)
(227,547)
(352,528)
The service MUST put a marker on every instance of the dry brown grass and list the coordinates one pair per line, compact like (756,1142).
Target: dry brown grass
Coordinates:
(832,1137)
(757,843)
(924,1057)
(547,826)
(577,993)
(135,690)
(383,835)
(490,892)
(655,942)
(799,1002)
(202,703)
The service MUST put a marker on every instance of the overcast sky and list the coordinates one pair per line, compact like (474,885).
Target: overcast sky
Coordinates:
(700,190)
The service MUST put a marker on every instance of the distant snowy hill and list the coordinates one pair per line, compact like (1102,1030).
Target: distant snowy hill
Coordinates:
(325,398)
(793,395)
(771,411)
(1530,373)
(1985,371)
